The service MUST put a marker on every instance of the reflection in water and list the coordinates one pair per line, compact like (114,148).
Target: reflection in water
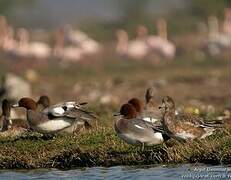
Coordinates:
(124,172)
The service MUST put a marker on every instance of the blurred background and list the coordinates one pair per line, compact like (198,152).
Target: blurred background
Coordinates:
(107,51)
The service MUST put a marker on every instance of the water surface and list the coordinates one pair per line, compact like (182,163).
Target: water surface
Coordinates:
(124,172)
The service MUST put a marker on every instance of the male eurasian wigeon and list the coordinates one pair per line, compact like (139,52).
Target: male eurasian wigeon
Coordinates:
(8,123)
(51,121)
(86,119)
(134,130)
(183,126)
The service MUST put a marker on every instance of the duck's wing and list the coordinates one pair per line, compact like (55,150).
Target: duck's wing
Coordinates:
(59,110)
(189,118)
(139,126)
(196,120)
(80,114)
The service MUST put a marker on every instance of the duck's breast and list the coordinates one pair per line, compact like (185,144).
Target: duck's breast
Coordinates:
(54,125)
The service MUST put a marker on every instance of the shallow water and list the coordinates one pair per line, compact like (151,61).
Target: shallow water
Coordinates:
(124,172)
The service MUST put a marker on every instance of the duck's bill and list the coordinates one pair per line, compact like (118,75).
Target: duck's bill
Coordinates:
(15,105)
(118,114)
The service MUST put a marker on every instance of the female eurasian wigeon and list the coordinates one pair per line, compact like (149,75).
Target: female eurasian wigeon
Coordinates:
(150,114)
(53,119)
(43,103)
(8,123)
(183,126)
(136,131)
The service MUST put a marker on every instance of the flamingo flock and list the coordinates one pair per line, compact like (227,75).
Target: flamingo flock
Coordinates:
(69,45)
(73,45)
(219,35)
(145,44)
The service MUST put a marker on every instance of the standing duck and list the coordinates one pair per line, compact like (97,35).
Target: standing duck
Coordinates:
(136,131)
(53,119)
(183,126)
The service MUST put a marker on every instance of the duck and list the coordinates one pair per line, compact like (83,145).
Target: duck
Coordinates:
(89,119)
(8,122)
(42,103)
(86,118)
(183,127)
(136,131)
(54,119)
(148,112)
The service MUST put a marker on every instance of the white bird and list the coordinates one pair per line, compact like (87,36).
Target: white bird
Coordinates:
(160,43)
(80,39)
(217,41)
(9,44)
(136,49)
(35,49)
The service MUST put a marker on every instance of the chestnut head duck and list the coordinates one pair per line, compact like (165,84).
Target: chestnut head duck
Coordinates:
(134,130)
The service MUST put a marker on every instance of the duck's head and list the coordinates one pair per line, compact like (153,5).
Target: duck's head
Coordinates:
(128,111)
(44,101)
(167,104)
(27,103)
(6,108)
(137,104)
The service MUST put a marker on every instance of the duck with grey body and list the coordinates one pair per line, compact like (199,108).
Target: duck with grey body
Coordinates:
(86,119)
(134,130)
(46,121)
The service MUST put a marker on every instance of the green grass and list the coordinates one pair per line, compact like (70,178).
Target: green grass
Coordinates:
(103,148)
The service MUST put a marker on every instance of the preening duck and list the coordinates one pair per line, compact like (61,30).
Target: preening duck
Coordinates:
(55,118)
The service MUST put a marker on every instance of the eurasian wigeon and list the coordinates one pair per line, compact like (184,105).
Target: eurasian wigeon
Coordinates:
(150,114)
(43,103)
(183,126)
(51,121)
(86,119)
(8,123)
(136,131)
